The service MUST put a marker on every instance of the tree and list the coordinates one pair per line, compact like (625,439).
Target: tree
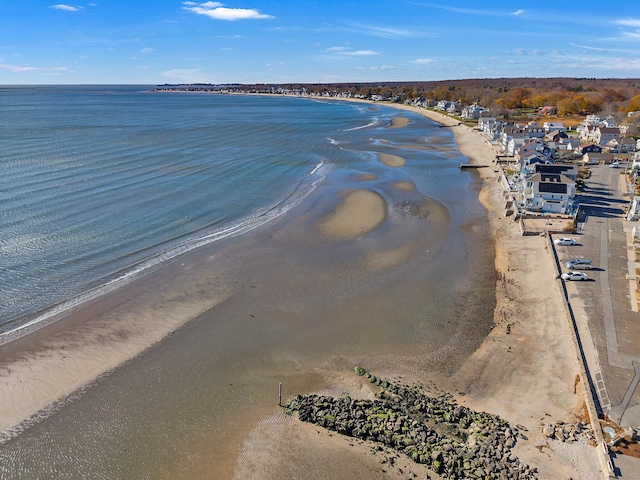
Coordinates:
(634,105)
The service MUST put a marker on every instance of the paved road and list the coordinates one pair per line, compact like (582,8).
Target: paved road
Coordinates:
(607,305)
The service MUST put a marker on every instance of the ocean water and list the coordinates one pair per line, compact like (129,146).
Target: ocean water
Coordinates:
(100,184)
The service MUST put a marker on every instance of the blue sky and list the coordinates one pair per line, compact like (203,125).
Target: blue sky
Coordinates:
(251,41)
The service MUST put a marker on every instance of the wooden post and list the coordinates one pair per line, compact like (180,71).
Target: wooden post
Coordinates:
(280,395)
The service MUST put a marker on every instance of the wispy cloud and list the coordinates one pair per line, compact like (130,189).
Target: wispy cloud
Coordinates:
(28,68)
(358,53)
(605,49)
(517,12)
(62,6)
(218,11)
(629,22)
(147,50)
(423,61)
(468,11)
(386,31)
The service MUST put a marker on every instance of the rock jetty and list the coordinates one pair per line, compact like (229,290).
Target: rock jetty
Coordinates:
(453,441)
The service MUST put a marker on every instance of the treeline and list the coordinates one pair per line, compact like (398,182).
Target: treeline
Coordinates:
(570,96)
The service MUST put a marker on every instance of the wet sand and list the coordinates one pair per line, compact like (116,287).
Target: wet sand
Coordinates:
(282,305)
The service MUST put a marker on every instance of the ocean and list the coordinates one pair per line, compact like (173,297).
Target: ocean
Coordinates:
(100,184)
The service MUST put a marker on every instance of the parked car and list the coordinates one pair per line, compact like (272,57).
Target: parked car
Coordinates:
(574,276)
(564,241)
(614,165)
(579,264)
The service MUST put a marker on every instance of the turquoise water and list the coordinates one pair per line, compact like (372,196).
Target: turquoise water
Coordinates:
(99,184)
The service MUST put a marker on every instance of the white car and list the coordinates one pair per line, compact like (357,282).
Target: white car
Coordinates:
(614,165)
(564,241)
(574,276)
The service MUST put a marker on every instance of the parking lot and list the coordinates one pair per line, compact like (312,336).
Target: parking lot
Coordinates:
(605,306)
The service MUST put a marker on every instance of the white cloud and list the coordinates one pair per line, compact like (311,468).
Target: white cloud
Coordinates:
(218,11)
(629,22)
(517,12)
(380,67)
(147,50)
(423,61)
(358,53)
(62,6)
(337,49)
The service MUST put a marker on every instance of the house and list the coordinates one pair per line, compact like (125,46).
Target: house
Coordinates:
(473,111)
(549,193)
(513,144)
(533,130)
(571,144)
(530,161)
(567,169)
(442,105)
(589,148)
(508,133)
(484,121)
(555,136)
(603,135)
(621,145)
(593,158)
(554,127)
(548,110)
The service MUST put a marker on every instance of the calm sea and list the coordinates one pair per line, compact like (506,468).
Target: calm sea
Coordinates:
(100,183)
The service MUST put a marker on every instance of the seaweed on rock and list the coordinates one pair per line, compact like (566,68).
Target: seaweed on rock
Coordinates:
(451,440)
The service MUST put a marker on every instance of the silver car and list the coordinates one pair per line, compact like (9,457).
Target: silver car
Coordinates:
(579,264)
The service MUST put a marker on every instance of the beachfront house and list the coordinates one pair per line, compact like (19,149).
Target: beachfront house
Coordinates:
(567,169)
(529,161)
(473,111)
(514,144)
(549,193)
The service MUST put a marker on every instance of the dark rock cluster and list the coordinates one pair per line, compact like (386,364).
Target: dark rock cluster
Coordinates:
(451,440)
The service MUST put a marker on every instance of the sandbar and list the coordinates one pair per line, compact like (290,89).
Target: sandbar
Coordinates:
(360,212)
(391,160)
(399,122)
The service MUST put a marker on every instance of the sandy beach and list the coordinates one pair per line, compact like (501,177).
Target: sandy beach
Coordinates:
(307,332)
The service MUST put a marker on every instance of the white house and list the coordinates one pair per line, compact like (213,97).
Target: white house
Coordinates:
(554,127)
(513,144)
(473,111)
(549,192)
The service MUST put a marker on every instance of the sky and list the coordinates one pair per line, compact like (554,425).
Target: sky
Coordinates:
(298,41)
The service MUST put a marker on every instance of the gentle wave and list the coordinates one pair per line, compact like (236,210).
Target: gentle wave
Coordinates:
(315,177)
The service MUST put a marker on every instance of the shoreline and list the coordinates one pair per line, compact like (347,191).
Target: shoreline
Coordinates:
(503,376)
(525,370)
